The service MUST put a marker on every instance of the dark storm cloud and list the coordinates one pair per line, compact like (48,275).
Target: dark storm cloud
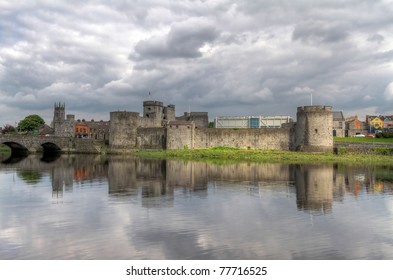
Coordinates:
(184,40)
(226,57)
(320,32)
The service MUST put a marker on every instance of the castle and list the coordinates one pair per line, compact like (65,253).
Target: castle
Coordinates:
(159,128)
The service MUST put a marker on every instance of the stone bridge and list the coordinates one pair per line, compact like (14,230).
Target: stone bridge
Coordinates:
(52,144)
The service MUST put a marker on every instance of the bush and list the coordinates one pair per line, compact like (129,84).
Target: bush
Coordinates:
(342,151)
(383,151)
(384,135)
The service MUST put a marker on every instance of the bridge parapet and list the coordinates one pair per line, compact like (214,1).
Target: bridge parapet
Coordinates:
(34,144)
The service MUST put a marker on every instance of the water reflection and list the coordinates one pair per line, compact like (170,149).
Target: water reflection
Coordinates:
(314,187)
(97,207)
(317,187)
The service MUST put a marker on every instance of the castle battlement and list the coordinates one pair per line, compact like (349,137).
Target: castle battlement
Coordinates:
(315,108)
(153,103)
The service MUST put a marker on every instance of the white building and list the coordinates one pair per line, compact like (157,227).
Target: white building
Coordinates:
(251,121)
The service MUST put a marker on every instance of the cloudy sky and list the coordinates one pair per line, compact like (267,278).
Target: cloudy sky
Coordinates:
(221,56)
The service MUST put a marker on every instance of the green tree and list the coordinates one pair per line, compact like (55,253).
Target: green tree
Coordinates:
(30,123)
(30,177)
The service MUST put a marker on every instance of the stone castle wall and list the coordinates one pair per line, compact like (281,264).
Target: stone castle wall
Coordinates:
(180,135)
(263,138)
(123,130)
(313,132)
(151,138)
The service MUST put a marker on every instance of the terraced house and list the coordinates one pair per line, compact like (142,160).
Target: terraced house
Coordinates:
(388,123)
(354,126)
(338,124)
(375,122)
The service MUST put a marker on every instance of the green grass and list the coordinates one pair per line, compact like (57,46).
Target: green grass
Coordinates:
(363,140)
(4,149)
(226,155)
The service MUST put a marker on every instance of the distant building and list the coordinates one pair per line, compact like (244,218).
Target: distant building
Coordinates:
(45,130)
(98,130)
(379,123)
(338,124)
(375,123)
(354,126)
(231,122)
(69,127)
(251,121)
(388,123)
(81,129)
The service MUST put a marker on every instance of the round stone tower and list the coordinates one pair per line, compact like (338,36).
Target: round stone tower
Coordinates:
(154,111)
(314,129)
(123,130)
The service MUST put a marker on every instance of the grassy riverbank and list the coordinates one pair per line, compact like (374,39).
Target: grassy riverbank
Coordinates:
(223,154)
(363,140)
(380,156)
(4,149)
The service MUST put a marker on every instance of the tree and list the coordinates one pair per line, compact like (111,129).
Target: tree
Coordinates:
(8,129)
(30,123)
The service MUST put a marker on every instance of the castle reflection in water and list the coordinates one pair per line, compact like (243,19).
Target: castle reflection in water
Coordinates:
(154,182)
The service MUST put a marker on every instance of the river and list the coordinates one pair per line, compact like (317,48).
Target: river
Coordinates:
(121,207)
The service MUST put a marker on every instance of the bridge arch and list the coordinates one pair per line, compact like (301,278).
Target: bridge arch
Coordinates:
(19,147)
(16,148)
(50,148)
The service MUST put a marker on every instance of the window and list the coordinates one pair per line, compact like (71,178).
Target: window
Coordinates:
(254,123)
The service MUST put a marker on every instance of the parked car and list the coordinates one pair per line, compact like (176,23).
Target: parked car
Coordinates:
(359,135)
(370,136)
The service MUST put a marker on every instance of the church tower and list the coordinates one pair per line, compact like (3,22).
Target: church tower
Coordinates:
(58,117)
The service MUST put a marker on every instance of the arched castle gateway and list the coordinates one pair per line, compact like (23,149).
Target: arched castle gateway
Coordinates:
(158,128)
